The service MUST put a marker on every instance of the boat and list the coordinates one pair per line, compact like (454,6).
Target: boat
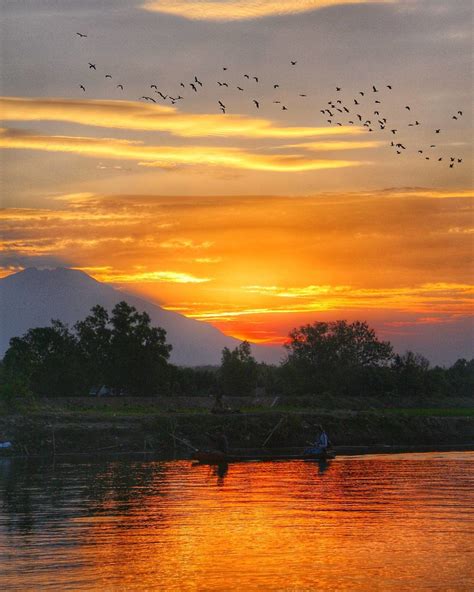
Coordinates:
(215,457)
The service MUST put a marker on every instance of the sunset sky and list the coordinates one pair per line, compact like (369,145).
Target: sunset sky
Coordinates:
(257,219)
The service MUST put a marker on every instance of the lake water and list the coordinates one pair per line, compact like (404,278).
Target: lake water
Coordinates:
(385,522)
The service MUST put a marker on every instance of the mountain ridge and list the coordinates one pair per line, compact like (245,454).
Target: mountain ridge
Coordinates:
(32,297)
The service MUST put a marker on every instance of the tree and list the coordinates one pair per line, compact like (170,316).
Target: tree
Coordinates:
(328,356)
(238,371)
(47,359)
(94,337)
(411,373)
(138,352)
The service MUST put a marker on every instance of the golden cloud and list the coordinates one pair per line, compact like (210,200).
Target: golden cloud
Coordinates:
(145,116)
(231,10)
(166,156)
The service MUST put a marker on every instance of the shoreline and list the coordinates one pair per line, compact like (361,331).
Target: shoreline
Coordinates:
(47,433)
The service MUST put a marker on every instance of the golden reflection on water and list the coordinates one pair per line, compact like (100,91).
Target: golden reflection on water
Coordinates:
(401,522)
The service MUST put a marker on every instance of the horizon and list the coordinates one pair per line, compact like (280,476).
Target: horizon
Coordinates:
(441,357)
(231,208)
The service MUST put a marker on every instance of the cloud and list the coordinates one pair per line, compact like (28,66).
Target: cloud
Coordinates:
(232,10)
(168,156)
(144,116)
(173,277)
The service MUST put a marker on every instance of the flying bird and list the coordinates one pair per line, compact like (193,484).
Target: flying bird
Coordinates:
(255,78)
(224,68)
(83,87)
(247,76)
(293,63)
(361,93)
(276,86)
(197,81)
(120,86)
(407,107)
(460,113)
(182,84)
(374,89)
(389,86)
(193,87)
(240,88)
(338,88)
(81,34)
(284,108)
(108,76)
(221,104)
(257,104)
(92,66)
(153,86)
(437,131)
(302,95)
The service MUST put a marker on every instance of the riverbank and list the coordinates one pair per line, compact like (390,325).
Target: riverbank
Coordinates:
(114,427)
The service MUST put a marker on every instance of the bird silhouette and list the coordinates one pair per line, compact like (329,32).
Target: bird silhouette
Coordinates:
(394,131)
(437,131)
(389,86)
(83,87)
(222,109)
(223,84)
(247,76)
(221,104)
(459,160)
(451,165)
(257,104)
(193,86)
(92,66)
(108,76)
(224,69)
(81,34)
(284,108)
(460,113)
(255,78)
(182,84)
(153,86)
(276,86)
(164,97)
(356,102)
(219,83)
(120,86)
(240,88)
(374,89)
(361,93)
(293,63)
(407,107)
(454,117)
(338,88)
(302,95)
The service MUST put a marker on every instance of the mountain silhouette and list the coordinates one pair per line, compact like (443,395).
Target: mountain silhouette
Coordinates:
(31,298)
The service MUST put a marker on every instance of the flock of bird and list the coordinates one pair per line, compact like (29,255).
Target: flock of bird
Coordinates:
(365,109)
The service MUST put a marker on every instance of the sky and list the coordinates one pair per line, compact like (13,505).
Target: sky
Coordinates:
(320,168)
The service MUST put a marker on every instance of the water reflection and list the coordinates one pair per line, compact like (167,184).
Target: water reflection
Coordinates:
(364,523)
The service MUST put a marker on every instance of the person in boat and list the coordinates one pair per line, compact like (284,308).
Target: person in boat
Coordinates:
(321,443)
(219,440)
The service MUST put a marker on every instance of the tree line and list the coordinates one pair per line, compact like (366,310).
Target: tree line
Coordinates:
(122,351)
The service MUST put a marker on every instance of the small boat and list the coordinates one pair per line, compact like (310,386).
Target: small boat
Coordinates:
(215,457)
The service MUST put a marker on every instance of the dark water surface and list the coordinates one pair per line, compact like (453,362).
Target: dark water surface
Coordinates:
(385,522)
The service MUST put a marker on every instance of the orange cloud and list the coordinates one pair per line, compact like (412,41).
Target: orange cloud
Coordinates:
(168,156)
(276,261)
(149,117)
(231,10)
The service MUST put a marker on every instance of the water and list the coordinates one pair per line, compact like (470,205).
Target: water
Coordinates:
(398,522)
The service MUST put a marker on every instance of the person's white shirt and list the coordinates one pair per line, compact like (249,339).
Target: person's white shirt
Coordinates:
(323,440)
